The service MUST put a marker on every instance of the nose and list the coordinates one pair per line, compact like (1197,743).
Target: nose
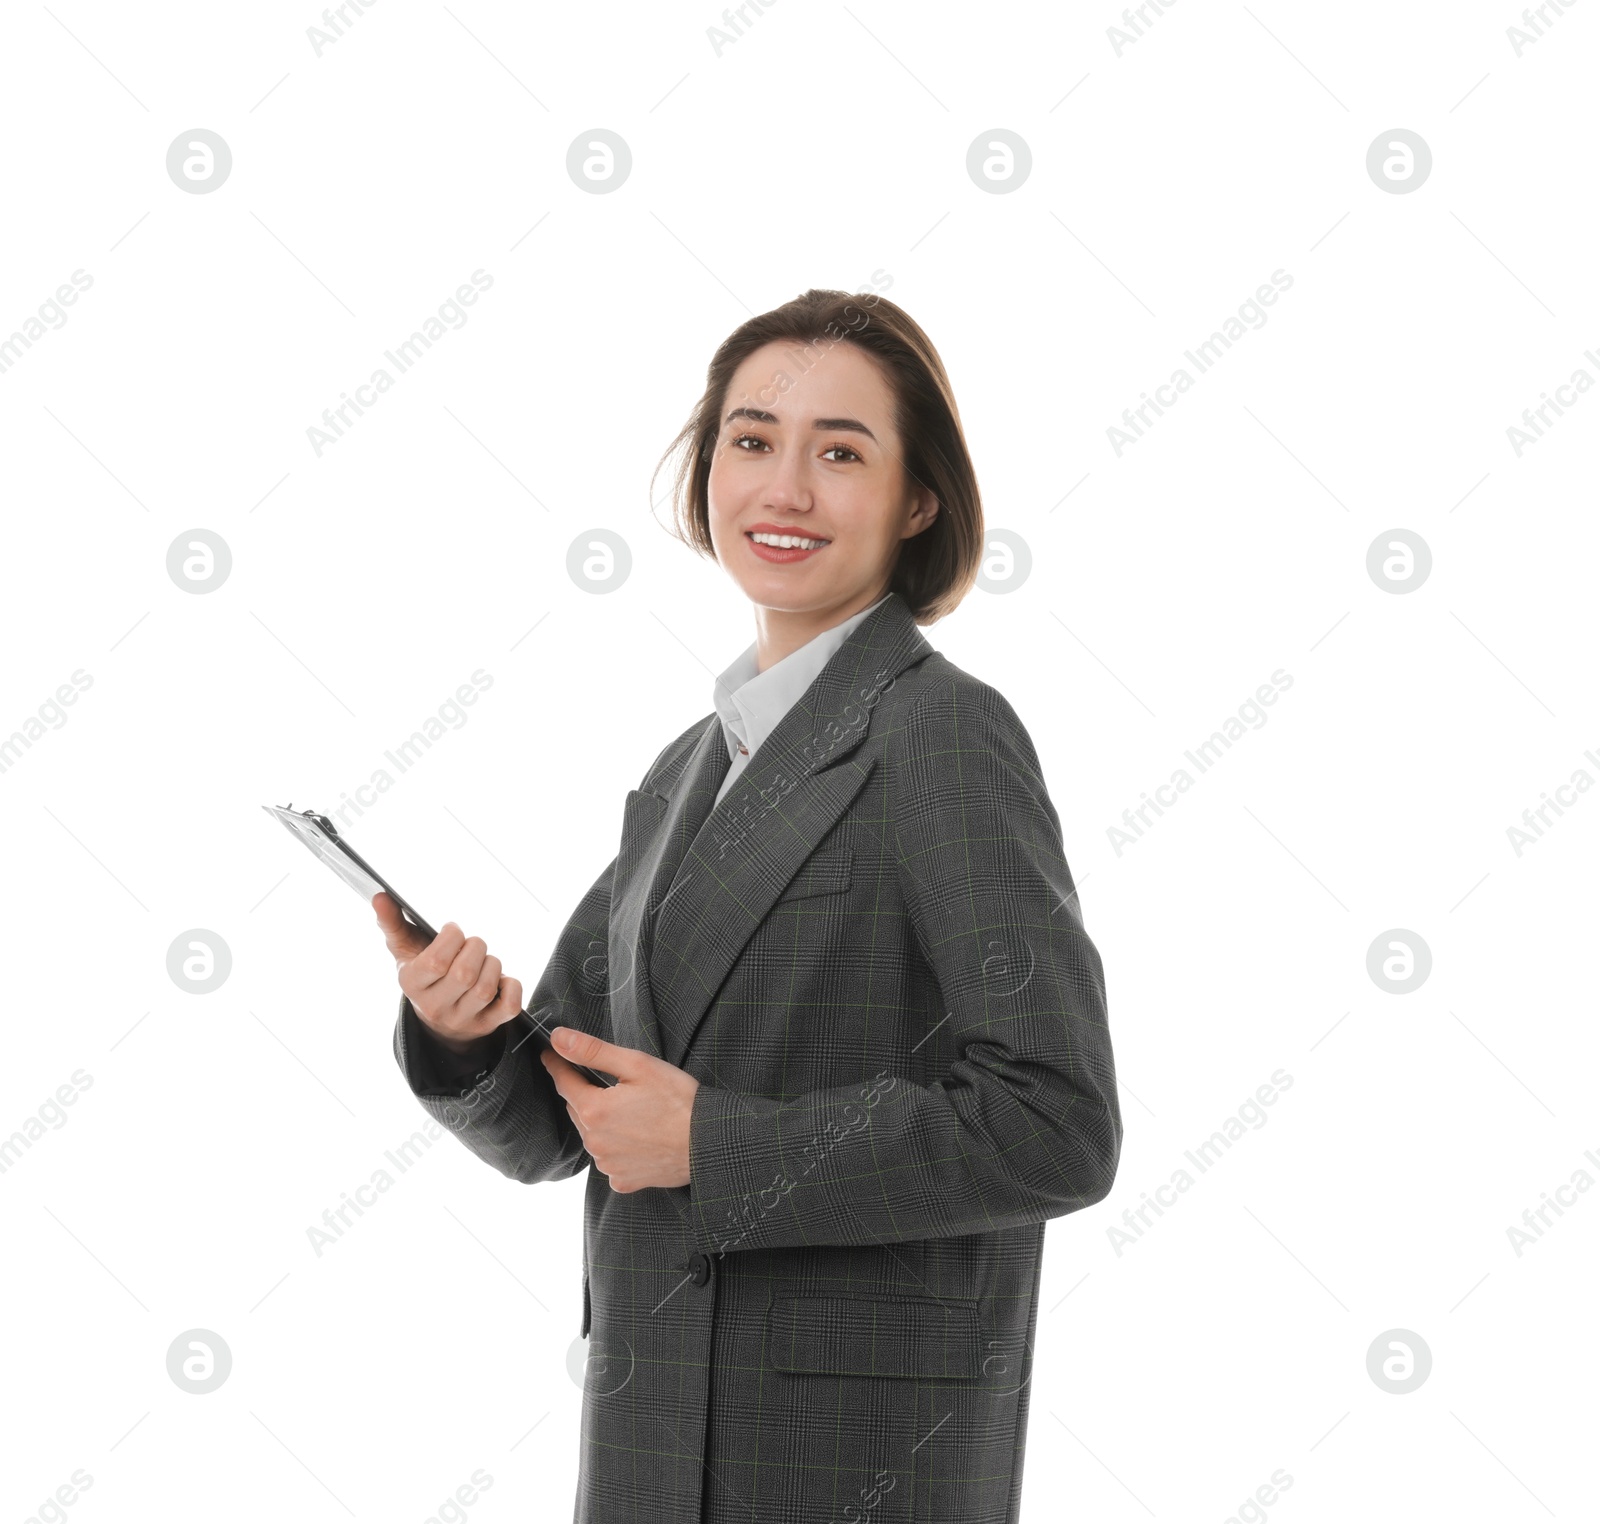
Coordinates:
(787,488)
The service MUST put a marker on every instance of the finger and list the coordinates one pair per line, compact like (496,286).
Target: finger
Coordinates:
(571,1081)
(563,1073)
(465,967)
(484,992)
(508,1003)
(419,974)
(563,1076)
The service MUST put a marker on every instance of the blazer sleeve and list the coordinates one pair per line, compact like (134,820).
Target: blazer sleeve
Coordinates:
(1025,1125)
(433,1068)
(510,1114)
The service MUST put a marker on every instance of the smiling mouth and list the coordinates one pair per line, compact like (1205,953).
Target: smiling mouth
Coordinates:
(786,541)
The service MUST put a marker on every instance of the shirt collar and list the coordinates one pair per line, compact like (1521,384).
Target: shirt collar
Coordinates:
(751,703)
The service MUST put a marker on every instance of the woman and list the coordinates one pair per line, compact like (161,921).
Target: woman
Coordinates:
(838,970)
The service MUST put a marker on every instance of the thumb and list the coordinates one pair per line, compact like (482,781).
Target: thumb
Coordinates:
(581,1047)
(404,940)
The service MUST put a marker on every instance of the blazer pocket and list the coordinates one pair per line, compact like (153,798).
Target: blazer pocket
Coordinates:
(874,1336)
(825,872)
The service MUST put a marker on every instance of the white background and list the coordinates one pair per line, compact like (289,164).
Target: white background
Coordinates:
(1230,1340)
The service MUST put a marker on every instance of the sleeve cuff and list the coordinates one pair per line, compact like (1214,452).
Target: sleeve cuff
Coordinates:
(719,1154)
(436,1069)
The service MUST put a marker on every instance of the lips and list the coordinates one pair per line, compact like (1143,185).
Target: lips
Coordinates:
(791,531)
(782,555)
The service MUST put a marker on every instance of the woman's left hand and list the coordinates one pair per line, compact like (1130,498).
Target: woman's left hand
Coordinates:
(636,1131)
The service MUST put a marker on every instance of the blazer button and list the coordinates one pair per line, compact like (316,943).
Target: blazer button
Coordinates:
(699,1268)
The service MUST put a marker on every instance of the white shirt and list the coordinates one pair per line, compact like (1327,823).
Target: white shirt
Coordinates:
(751,703)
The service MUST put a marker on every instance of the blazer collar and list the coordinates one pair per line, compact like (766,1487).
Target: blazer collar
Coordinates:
(751,703)
(692,898)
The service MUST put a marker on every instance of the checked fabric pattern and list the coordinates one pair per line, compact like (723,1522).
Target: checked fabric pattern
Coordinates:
(871,956)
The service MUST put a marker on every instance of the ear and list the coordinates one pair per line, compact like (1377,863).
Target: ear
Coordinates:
(923,510)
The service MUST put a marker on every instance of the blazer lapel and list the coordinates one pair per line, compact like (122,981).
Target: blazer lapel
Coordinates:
(667,823)
(712,873)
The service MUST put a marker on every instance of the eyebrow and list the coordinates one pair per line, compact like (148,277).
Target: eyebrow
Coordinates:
(826,425)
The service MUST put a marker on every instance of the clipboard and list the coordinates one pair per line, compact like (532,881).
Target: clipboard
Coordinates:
(322,837)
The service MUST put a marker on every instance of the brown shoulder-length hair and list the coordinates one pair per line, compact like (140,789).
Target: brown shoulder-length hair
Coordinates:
(935,569)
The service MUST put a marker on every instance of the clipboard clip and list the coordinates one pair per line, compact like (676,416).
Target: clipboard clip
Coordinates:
(354,869)
(321,821)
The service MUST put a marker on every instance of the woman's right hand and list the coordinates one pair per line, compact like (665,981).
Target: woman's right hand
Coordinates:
(454,987)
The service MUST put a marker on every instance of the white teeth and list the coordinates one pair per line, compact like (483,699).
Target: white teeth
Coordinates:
(787,541)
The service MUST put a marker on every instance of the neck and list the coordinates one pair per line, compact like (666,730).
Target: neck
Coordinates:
(781,632)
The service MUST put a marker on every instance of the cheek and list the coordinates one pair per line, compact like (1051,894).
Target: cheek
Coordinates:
(719,484)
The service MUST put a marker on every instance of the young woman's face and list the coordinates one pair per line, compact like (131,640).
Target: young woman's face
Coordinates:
(807,447)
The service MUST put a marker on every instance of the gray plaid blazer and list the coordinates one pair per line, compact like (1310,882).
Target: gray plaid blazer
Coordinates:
(870,955)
